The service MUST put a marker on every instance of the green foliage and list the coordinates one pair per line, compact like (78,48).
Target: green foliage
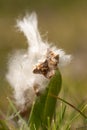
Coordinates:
(44,107)
(3,125)
(61,120)
(45,115)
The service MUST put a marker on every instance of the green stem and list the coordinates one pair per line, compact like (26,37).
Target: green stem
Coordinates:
(69,105)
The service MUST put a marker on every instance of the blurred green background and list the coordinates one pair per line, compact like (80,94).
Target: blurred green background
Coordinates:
(65,24)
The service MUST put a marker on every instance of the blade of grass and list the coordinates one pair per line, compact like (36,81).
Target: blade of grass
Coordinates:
(75,117)
(69,105)
(13,107)
(44,106)
(50,104)
(16,112)
(3,125)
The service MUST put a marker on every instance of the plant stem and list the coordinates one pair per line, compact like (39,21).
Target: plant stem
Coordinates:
(69,105)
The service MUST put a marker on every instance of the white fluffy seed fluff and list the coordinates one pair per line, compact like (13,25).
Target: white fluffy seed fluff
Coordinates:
(20,66)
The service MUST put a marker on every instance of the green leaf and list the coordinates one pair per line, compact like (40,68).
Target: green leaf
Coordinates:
(50,103)
(45,105)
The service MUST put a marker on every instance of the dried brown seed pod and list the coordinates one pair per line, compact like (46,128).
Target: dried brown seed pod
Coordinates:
(47,67)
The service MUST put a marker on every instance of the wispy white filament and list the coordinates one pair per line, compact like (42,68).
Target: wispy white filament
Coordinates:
(20,67)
